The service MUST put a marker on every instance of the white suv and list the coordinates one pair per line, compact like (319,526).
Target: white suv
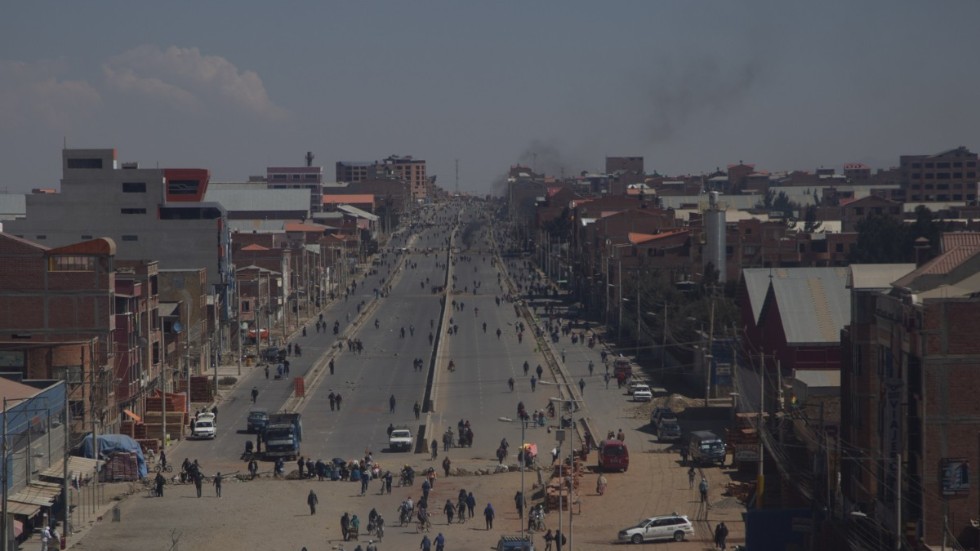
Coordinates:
(642,393)
(205,426)
(668,527)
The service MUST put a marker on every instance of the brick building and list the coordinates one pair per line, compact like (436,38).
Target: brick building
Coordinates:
(57,321)
(917,359)
(948,176)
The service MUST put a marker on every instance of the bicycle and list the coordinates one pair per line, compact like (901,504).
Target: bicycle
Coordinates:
(423,525)
(161,468)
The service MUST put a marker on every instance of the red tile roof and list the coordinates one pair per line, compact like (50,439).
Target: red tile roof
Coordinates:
(951,240)
(255,247)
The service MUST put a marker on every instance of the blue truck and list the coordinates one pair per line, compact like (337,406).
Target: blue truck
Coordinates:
(282,436)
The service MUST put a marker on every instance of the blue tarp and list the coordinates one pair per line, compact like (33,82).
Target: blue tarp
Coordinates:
(109,443)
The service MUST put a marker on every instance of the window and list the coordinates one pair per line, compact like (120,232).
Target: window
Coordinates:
(957,164)
(134,187)
(929,175)
(930,165)
(40,237)
(971,174)
(942,165)
(85,163)
(916,165)
(182,187)
(295,176)
(64,263)
(132,211)
(957,175)
(246,306)
(77,409)
(130,238)
(859,211)
(957,197)
(86,237)
(942,175)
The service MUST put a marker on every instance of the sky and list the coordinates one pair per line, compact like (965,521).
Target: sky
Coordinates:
(689,85)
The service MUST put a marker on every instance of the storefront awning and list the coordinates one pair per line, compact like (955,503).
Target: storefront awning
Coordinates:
(76,466)
(24,509)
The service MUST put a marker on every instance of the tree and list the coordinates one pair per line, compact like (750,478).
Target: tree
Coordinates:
(883,239)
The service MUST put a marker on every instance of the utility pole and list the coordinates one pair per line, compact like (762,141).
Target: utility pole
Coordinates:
(663,347)
(760,475)
(637,316)
(709,356)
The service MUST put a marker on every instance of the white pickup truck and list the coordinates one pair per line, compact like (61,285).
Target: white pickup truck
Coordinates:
(400,440)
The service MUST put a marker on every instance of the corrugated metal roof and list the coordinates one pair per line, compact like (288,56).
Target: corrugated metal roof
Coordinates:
(757,284)
(814,303)
(358,212)
(818,378)
(877,276)
(246,200)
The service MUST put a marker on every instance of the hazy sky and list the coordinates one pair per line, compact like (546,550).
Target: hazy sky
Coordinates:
(690,85)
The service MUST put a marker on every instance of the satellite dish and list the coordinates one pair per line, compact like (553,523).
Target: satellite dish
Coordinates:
(177,327)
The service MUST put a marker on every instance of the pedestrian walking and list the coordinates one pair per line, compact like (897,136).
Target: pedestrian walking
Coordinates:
(539,370)
(519,504)
(548,538)
(365,477)
(581,385)
(255,393)
(461,510)
(534,383)
(446,463)
(345,525)
(560,540)
(45,538)
(330,364)
(600,484)
(266,372)
(391,404)
(488,515)
(435,449)
(440,542)
(418,410)
(217,484)
(333,400)
(703,490)
(721,534)
(471,503)
(426,545)
(338,400)
(690,477)
(450,510)
(312,501)
(198,482)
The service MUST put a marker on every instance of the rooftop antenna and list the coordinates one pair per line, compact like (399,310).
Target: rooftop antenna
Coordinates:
(309,158)
(457,176)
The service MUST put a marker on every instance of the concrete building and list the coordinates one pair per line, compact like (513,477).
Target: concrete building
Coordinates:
(150,213)
(404,168)
(947,176)
(309,178)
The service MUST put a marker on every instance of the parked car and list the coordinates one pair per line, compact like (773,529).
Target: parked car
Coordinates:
(668,527)
(613,456)
(642,393)
(668,430)
(514,543)
(400,440)
(659,412)
(633,384)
